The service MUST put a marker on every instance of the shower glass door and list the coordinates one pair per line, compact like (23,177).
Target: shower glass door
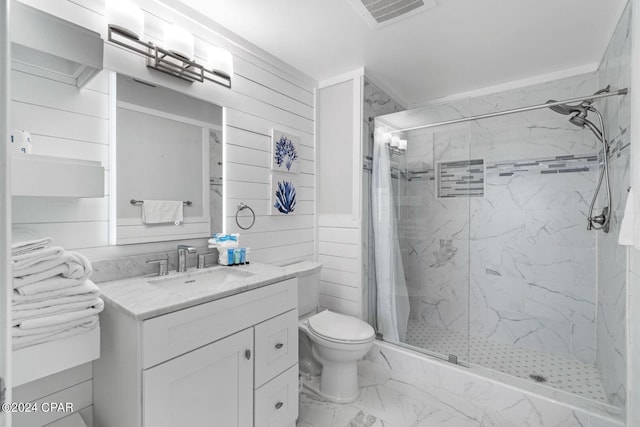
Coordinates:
(433,184)
(533,264)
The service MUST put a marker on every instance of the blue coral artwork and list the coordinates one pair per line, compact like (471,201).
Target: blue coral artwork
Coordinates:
(285,151)
(283,194)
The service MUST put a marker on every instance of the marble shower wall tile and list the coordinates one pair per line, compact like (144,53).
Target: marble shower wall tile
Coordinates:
(633,412)
(611,350)
(523,247)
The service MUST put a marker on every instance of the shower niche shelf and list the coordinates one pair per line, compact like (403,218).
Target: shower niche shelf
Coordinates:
(45,176)
(460,178)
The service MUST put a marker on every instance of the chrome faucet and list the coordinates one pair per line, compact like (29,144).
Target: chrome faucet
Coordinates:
(183,250)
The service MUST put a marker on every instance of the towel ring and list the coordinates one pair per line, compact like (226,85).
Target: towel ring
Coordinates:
(241,207)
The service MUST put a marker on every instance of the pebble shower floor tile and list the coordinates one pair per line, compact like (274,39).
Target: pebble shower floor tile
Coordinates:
(563,374)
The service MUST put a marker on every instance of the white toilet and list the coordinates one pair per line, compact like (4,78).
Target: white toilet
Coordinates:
(330,343)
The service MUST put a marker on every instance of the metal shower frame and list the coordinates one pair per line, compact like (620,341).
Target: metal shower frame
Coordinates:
(515,110)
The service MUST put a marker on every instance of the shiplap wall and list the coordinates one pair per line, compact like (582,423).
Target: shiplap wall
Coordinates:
(64,122)
(74,123)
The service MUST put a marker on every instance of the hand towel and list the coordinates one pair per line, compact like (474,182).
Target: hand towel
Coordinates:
(71,265)
(19,342)
(18,314)
(86,287)
(60,318)
(25,247)
(162,211)
(630,227)
(30,259)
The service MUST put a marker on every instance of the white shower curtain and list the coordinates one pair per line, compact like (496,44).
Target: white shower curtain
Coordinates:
(393,299)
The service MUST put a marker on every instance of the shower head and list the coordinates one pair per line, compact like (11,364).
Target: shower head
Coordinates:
(581,109)
(579,120)
(560,108)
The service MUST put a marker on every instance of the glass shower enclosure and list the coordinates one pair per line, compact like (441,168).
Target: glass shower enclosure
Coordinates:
(478,250)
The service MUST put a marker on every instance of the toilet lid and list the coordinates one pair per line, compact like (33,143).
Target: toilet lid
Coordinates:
(340,327)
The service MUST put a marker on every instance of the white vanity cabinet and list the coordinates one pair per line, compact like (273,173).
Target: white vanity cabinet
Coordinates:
(225,363)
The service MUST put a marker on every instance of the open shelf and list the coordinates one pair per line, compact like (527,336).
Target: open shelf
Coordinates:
(46,176)
(41,360)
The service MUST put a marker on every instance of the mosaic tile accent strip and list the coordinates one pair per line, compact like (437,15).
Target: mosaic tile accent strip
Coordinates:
(466,177)
(619,146)
(549,165)
(563,374)
(463,178)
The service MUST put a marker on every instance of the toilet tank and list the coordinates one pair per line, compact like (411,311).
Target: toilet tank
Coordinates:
(308,273)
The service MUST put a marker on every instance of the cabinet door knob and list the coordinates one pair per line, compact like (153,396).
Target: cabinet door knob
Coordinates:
(279,345)
(279,405)
(247,354)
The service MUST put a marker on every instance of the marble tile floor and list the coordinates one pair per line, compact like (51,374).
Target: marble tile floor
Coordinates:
(561,373)
(383,402)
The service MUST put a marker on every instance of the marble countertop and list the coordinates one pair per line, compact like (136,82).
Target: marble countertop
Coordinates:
(141,299)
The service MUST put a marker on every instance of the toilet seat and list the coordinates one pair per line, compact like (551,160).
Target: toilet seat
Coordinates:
(340,328)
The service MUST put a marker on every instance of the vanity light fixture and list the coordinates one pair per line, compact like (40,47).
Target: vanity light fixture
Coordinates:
(394,143)
(179,41)
(176,57)
(126,17)
(220,62)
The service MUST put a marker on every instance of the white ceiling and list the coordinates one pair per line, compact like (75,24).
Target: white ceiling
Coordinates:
(459,46)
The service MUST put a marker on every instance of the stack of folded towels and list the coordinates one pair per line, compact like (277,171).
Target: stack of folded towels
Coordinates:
(53,297)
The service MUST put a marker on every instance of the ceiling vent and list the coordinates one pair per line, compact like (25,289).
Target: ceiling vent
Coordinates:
(379,13)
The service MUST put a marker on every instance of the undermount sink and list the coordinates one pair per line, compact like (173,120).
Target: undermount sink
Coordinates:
(208,277)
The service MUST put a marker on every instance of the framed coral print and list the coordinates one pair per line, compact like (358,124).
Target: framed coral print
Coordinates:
(285,148)
(283,193)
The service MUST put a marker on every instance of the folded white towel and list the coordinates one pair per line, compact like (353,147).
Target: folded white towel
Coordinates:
(30,246)
(47,285)
(59,318)
(162,211)
(21,341)
(18,314)
(30,259)
(84,288)
(19,332)
(630,227)
(71,265)
(53,302)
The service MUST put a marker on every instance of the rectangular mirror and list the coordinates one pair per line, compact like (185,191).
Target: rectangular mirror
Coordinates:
(168,147)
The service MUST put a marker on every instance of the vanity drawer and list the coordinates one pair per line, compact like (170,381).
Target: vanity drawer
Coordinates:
(276,346)
(276,402)
(176,333)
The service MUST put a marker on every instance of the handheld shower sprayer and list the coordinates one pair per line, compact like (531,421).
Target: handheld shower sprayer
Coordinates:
(579,118)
